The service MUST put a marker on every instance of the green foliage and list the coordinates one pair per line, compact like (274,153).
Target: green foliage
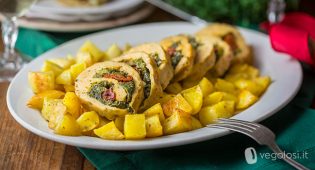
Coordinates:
(248,13)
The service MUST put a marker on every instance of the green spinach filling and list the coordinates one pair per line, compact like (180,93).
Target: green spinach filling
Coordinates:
(218,51)
(97,90)
(104,71)
(193,42)
(176,55)
(144,72)
(156,58)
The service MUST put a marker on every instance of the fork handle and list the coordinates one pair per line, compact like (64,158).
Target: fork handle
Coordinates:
(275,148)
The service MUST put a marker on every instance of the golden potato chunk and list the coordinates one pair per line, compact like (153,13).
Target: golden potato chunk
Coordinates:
(216,97)
(155,110)
(178,122)
(41,81)
(119,122)
(194,97)
(109,131)
(73,104)
(177,102)
(225,86)
(263,81)
(206,87)
(65,78)
(90,47)
(153,126)
(249,85)
(53,110)
(36,102)
(210,114)
(246,99)
(112,52)
(49,66)
(84,57)
(88,121)
(69,88)
(68,126)
(195,123)
(76,69)
(64,63)
(134,127)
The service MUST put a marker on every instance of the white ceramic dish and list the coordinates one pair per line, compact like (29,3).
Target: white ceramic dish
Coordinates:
(285,72)
(111,7)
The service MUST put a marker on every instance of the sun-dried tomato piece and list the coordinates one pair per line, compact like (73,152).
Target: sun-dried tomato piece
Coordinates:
(118,77)
(230,39)
(109,94)
(171,51)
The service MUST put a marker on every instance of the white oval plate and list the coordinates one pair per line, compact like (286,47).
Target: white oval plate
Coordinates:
(285,72)
(111,7)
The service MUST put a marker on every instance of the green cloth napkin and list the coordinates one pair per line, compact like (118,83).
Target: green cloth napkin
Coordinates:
(294,126)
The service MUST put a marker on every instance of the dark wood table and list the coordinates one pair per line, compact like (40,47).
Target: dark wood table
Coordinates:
(21,149)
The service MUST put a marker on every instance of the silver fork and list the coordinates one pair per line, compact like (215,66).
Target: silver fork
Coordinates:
(259,133)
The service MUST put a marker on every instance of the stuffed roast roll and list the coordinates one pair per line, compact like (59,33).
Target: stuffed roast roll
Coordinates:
(204,61)
(162,60)
(233,37)
(110,88)
(148,72)
(182,53)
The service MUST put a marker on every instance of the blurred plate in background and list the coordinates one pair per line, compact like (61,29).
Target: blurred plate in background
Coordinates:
(113,6)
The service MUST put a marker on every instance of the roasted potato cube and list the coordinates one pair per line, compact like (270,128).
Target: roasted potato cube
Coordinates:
(195,123)
(210,114)
(178,122)
(249,71)
(41,81)
(207,115)
(69,88)
(263,81)
(49,66)
(177,102)
(64,63)
(155,110)
(234,77)
(153,126)
(88,121)
(213,98)
(109,131)
(230,107)
(119,122)
(103,121)
(65,78)
(249,85)
(84,57)
(174,88)
(134,127)
(36,102)
(194,97)
(229,97)
(113,51)
(53,110)
(68,126)
(206,87)
(91,48)
(76,69)
(245,99)
(127,47)
(166,97)
(72,102)
(225,86)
